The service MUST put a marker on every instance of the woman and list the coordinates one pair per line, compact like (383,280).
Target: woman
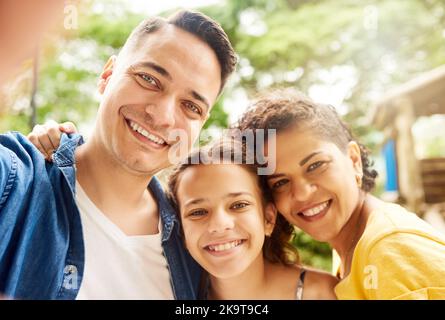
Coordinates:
(321,185)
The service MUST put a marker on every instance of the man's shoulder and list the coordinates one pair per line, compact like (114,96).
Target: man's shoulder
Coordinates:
(15,142)
(17,153)
(24,168)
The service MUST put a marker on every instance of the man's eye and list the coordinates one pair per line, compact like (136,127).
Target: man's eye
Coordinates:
(193,108)
(239,205)
(148,79)
(315,165)
(279,184)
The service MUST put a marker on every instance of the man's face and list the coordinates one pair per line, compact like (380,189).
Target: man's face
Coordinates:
(168,82)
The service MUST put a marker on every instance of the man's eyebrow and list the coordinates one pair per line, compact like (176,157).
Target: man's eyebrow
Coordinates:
(199,97)
(156,67)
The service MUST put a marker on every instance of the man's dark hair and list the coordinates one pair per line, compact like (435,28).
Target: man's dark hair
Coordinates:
(200,25)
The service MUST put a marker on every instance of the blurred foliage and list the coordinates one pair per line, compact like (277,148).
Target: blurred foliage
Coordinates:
(314,253)
(347,51)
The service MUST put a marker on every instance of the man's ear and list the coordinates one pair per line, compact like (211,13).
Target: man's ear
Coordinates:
(106,74)
(270,217)
(355,156)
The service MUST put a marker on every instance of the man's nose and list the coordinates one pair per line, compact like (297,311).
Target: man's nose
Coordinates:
(163,112)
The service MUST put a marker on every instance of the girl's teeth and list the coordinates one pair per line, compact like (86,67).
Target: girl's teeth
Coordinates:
(144,132)
(225,246)
(316,210)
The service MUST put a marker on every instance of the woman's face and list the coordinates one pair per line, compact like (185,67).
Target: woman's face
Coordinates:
(223,218)
(314,185)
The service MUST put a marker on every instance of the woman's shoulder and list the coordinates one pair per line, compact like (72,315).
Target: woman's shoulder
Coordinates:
(388,221)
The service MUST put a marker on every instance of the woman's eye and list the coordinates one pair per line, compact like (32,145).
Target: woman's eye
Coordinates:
(239,205)
(279,183)
(148,79)
(315,165)
(193,108)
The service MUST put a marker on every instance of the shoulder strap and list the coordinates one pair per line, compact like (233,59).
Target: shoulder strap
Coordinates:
(300,286)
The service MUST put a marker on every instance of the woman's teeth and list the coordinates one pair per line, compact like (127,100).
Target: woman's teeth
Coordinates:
(224,246)
(315,210)
(145,133)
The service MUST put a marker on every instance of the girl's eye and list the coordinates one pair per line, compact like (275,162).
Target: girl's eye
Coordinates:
(149,79)
(279,183)
(239,205)
(193,108)
(315,165)
(198,213)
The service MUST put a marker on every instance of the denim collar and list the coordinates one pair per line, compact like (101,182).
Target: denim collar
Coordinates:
(64,157)
(166,211)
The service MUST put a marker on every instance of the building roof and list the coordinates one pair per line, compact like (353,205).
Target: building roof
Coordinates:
(426,93)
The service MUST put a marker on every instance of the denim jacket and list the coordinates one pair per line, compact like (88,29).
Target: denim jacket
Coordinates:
(41,240)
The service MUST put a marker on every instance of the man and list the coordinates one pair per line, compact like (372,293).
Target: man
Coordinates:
(86,226)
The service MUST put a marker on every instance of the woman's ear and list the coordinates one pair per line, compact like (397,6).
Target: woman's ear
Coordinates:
(270,217)
(106,74)
(355,156)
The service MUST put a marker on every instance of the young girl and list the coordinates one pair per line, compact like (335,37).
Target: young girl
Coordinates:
(232,230)
(321,185)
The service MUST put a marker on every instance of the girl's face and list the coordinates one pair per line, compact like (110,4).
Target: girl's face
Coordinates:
(223,218)
(314,185)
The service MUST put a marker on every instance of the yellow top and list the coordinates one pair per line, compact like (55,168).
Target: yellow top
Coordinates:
(399,256)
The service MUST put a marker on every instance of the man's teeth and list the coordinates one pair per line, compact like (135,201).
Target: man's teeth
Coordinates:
(225,246)
(146,134)
(315,210)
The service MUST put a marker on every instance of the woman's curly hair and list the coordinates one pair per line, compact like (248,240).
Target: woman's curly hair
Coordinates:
(283,109)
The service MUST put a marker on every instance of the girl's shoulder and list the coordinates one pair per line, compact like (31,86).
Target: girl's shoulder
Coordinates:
(315,284)
(319,285)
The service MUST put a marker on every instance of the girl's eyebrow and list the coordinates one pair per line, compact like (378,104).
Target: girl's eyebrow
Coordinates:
(229,195)
(237,194)
(195,201)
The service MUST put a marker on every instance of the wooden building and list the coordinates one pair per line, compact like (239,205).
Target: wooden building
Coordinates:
(420,182)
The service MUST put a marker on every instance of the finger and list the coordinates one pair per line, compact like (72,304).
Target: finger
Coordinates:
(35,141)
(43,139)
(68,127)
(54,134)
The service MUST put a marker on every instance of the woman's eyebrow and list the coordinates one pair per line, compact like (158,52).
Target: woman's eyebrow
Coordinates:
(303,162)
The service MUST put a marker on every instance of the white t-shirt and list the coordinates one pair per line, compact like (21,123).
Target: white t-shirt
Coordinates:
(118,266)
